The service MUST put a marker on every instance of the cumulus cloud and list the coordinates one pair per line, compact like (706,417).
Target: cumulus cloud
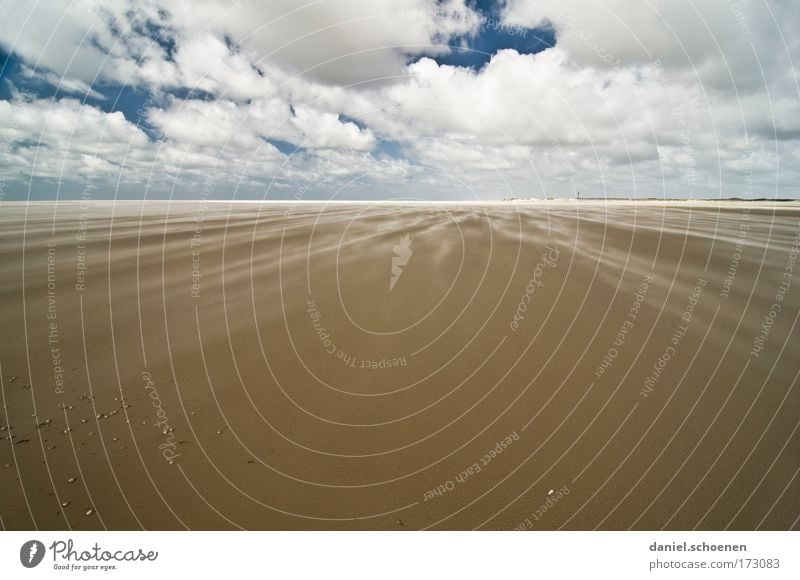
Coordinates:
(88,40)
(225,123)
(64,85)
(130,41)
(720,43)
(65,139)
(340,42)
(666,96)
(206,63)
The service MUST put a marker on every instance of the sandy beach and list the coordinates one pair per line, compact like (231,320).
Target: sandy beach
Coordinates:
(561,365)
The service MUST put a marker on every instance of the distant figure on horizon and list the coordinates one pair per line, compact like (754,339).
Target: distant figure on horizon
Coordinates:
(578,196)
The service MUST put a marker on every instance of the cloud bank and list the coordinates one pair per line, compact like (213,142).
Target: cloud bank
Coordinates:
(338,98)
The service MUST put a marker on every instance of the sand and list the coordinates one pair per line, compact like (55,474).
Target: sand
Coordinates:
(541,366)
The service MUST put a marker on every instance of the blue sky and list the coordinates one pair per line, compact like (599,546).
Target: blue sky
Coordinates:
(446,99)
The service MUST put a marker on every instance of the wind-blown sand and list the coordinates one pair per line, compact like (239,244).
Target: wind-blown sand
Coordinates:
(534,366)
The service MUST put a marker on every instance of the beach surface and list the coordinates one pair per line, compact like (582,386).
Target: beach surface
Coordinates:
(559,365)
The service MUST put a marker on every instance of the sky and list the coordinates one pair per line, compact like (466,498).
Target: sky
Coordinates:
(398,99)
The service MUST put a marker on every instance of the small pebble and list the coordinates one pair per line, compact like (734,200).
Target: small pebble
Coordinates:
(89,512)
(64,503)
(71,480)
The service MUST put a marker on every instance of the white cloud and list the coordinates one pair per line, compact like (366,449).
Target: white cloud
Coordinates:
(631,93)
(558,105)
(720,43)
(206,63)
(64,85)
(336,42)
(325,131)
(225,123)
(215,123)
(67,139)
(87,40)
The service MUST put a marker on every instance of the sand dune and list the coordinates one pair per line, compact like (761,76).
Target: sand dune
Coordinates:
(382,366)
